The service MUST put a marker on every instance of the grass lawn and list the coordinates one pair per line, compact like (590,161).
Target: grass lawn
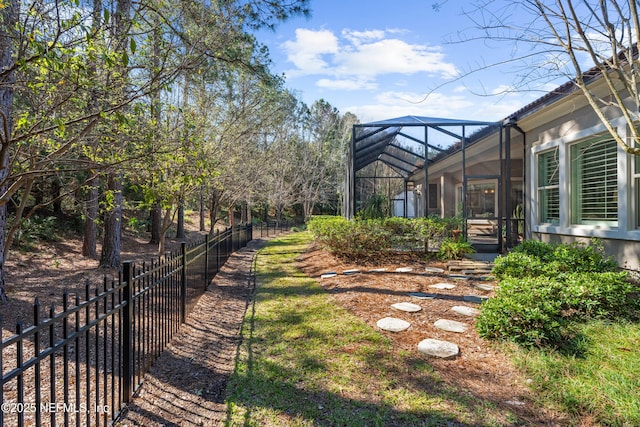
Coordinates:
(305,361)
(601,382)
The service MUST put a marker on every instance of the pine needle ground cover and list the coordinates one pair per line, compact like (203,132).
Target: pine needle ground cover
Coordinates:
(306,361)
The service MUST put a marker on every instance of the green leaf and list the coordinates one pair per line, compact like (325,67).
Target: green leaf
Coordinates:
(132,45)
(106,15)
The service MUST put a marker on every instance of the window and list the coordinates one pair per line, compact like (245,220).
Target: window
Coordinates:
(594,183)
(481,200)
(434,200)
(548,187)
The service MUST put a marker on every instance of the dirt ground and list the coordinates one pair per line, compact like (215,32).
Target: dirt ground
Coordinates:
(49,269)
(480,369)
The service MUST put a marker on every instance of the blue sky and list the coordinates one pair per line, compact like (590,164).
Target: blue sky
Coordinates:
(380,59)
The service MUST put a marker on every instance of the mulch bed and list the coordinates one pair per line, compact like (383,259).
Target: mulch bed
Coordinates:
(186,386)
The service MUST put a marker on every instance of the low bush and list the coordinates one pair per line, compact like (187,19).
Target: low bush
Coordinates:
(546,288)
(533,258)
(527,311)
(454,249)
(600,296)
(539,311)
(36,229)
(364,238)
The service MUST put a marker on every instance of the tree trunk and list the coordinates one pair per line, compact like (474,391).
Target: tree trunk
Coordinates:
(156,223)
(231,218)
(9,17)
(307,208)
(110,257)
(249,216)
(202,207)
(243,213)
(55,195)
(180,234)
(167,220)
(214,208)
(91,202)
(91,209)
(19,214)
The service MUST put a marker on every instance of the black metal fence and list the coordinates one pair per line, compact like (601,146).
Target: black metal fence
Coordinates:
(82,365)
(272,228)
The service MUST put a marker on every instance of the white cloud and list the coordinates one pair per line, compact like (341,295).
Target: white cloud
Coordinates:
(504,90)
(397,104)
(393,56)
(307,51)
(362,56)
(346,84)
(358,37)
(390,104)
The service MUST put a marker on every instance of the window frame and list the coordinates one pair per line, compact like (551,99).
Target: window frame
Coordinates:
(547,187)
(586,184)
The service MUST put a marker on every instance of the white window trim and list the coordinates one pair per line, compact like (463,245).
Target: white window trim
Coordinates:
(536,187)
(626,228)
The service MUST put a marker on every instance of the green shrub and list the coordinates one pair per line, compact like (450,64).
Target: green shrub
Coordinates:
(573,257)
(519,265)
(538,249)
(37,228)
(526,311)
(364,238)
(533,258)
(600,296)
(577,257)
(538,303)
(375,207)
(454,249)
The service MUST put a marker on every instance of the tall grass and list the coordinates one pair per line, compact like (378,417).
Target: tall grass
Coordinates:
(304,361)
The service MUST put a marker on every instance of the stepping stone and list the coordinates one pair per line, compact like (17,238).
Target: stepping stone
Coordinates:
(434,270)
(422,295)
(437,348)
(404,269)
(392,324)
(406,306)
(465,311)
(377,270)
(484,287)
(328,275)
(474,298)
(458,276)
(451,326)
(443,286)
(349,272)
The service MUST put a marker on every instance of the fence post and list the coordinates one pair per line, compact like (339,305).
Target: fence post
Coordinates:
(217,251)
(183,284)
(206,261)
(127,332)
